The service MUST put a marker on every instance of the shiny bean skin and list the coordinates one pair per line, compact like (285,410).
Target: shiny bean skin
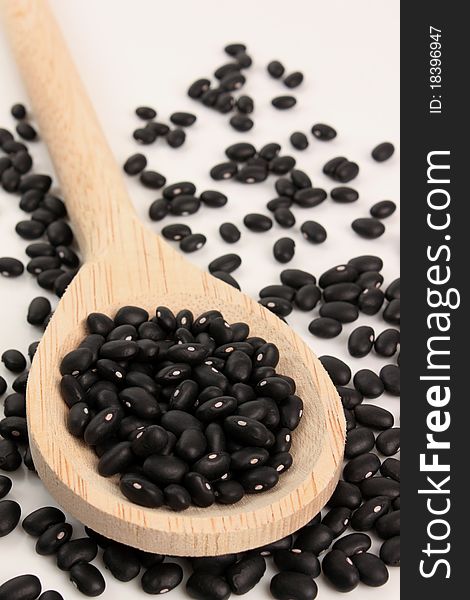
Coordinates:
(340,571)
(289,585)
(366,516)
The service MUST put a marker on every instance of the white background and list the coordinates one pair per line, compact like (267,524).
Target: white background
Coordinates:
(134,52)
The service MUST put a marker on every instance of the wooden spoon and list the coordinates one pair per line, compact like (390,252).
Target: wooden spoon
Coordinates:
(126,263)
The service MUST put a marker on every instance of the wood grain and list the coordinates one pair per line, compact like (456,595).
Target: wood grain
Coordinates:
(128,264)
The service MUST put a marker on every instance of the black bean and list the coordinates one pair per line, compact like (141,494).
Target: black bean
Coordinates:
(340,571)
(391,313)
(383,151)
(240,152)
(43,215)
(241,123)
(229,233)
(337,519)
(10,513)
(370,279)
(54,536)
(193,242)
(280,165)
(184,205)
(289,585)
(259,479)
(37,522)
(225,170)
(5,485)
(176,231)
(140,490)
(283,102)
(361,341)
(18,111)
(388,442)
(145,135)
(323,132)
(393,290)
(390,552)
(285,188)
(40,249)
(183,119)
(353,544)
(12,147)
(383,209)
(245,574)
(341,292)
(330,167)
(257,222)
(22,162)
(11,267)
(51,595)
(372,571)
(346,171)
(78,418)
(325,327)
(146,113)
(380,486)
(284,543)
(213,199)
(247,431)
(370,301)
(251,174)
(391,468)
(26,131)
(159,209)
(176,138)
(368,383)
(162,578)
(75,551)
(227,263)
(23,587)
(314,538)
(359,441)
(366,516)
(245,104)
(88,579)
(275,69)
(350,397)
(38,310)
(361,467)
(296,278)
(14,428)
(68,257)
(344,194)
(31,200)
(313,232)
(284,217)
(339,371)
(388,526)
(20,382)
(297,561)
(115,460)
(30,230)
(135,164)
(368,227)
(284,250)
(206,586)
(59,233)
(294,79)
(176,189)
(373,416)
(309,197)
(5,136)
(165,470)
(390,376)
(152,179)
(14,361)
(197,88)
(122,561)
(299,140)
(217,565)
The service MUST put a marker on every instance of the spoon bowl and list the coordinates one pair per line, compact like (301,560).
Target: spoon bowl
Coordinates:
(126,264)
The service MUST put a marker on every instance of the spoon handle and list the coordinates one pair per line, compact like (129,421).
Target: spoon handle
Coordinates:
(92,184)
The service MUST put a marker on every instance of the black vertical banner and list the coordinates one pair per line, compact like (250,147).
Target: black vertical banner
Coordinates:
(435,361)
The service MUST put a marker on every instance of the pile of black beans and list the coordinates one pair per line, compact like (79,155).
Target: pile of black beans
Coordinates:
(186,410)
(367,498)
